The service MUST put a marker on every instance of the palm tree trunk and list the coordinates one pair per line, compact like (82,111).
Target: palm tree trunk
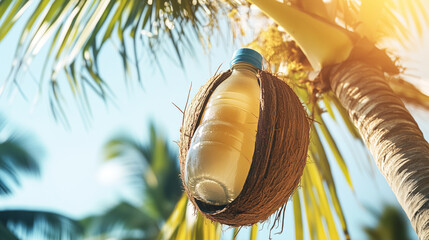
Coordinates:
(391,134)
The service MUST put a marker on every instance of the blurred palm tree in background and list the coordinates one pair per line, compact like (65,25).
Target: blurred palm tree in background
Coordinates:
(153,173)
(391,224)
(76,31)
(20,156)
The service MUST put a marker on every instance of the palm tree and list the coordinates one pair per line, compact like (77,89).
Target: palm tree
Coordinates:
(153,172)
(391,225)
(18,156)
(354,69)
(337,37)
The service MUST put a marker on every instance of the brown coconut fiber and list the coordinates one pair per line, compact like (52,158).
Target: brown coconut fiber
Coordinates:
(280,152)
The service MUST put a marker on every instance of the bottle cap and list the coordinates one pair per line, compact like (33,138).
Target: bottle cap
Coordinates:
(247,55)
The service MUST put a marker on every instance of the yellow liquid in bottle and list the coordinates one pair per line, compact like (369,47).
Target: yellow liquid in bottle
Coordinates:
(222,147)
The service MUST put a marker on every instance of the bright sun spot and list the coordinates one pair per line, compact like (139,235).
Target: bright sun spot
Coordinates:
(110,173)
(415,61)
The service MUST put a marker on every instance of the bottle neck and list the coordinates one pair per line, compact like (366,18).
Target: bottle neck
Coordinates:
(242,66)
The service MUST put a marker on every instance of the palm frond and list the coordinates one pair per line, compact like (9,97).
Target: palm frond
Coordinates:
(153,169)
(316,7)
(391,224)
(297,213)
(398,20)
(46,224)
(254,231)
(6,233)
(408,92)
(124,220)
(76,32)
(119,146)
(173,225)
(185,223)
(18,155)
(401,20)
(153,166)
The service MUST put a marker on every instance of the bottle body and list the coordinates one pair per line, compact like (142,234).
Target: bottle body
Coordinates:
(222,147)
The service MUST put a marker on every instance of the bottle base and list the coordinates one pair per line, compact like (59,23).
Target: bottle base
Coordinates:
(212,192)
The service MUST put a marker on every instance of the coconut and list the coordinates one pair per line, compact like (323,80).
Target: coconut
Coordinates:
(279,157)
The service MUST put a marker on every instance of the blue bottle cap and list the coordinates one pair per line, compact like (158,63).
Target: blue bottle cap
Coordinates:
(247,55)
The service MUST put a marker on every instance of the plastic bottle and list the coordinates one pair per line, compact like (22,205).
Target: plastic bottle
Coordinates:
(222,147)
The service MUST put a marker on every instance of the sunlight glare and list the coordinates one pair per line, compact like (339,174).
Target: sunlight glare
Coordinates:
(415,62)
(191,216)
(110,174)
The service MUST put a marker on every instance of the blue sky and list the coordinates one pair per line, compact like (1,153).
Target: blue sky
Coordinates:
(72,182)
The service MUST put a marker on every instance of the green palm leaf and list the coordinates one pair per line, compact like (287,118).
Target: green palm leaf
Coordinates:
(17,157)
(391,224)
(76,32)
(152,168)
(46,224)
(6,233)
(182,225)
(160,179)
(122,220)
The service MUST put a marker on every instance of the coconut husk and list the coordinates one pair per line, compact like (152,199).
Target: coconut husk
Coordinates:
(279,158)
